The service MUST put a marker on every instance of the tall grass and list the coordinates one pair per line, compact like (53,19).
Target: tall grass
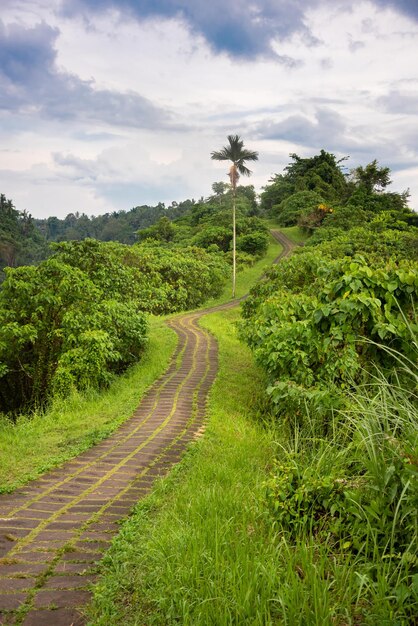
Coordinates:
(348,507)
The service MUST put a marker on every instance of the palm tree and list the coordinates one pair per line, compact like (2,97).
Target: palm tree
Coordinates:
(238,155)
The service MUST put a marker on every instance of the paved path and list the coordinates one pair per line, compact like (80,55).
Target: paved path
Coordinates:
(54,531)
(286,244)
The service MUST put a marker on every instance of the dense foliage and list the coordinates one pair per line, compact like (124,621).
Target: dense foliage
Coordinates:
(59,330)
(116,226)
(316,191)
(160,280)
(79,317)
(20,241)
(335,329)
(318,177)
(315,320)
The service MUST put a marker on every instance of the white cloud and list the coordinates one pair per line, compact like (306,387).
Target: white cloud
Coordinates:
(150,101)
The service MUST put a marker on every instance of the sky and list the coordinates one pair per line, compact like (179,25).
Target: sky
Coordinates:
(110,104)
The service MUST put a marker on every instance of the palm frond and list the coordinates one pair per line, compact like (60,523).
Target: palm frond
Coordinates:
(249,155)
(220,155)
(236,153)
(243,169)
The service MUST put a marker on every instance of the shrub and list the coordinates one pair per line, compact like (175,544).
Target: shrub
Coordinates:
(355,492)
(311,341)
(160,280)
(59,330)
(255,243)
(219,235)
(290,210)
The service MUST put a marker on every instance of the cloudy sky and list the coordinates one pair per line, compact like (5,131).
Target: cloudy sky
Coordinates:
(108,104)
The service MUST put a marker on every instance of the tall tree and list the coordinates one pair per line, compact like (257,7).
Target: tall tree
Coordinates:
(372,178)
(238,155)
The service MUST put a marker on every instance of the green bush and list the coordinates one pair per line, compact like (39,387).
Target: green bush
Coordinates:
(290,210)
(158,279)
(372,242)
(356,493)
(297,273)
(79,318)
(255,243)
(176,279)
(219,235)
(59,330)
(301,499)
(311,337)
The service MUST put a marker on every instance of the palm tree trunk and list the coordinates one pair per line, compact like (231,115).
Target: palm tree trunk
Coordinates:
(234,242)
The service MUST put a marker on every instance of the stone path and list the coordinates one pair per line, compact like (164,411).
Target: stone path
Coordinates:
(54,531)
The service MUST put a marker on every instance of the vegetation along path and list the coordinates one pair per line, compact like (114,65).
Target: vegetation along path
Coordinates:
(55,530)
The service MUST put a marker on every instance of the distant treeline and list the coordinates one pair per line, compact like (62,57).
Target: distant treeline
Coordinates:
(116,226)
(25,240)
(21,242)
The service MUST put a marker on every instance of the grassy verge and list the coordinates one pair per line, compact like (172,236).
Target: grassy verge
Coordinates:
(201,549)
(346,504)
(247,277)
(295,234)
(34,445)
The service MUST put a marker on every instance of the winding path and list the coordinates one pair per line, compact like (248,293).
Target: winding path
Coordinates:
(55,530)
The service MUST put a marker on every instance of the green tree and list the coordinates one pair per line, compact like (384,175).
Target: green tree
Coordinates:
(9,232)
(21,241)
(372,178)
(219,189)
(163,230)
(321,174)
(60,330)
(290,210)
(214,235)
(238,155)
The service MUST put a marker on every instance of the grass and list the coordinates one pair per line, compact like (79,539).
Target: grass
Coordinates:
(201,549)
(354,547)
(248,276)
(295,234)
(71,425)
(209,548)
